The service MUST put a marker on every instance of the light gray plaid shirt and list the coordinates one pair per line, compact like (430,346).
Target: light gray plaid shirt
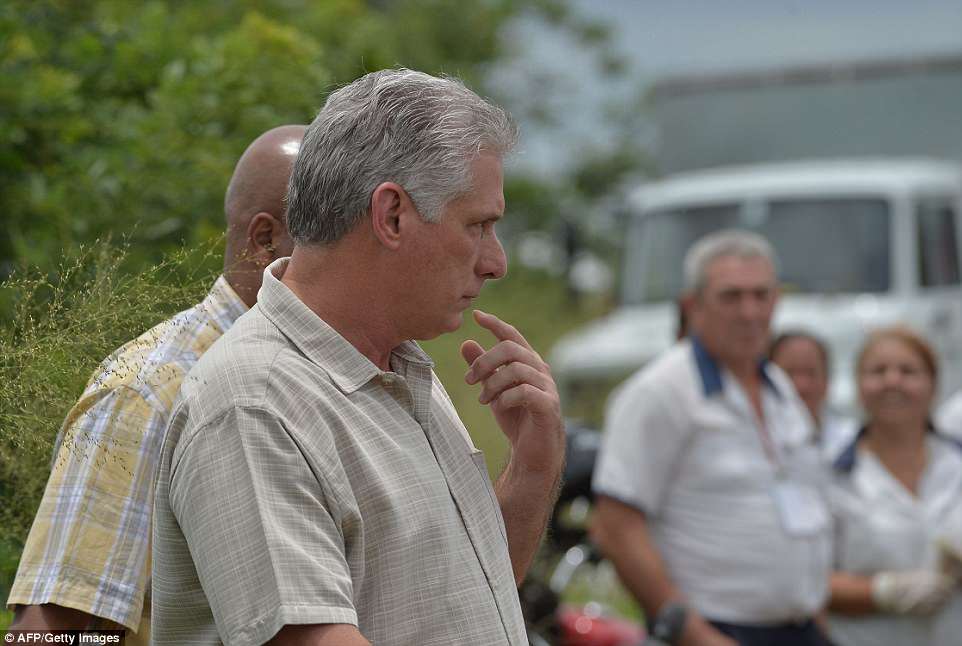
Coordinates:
(300,484)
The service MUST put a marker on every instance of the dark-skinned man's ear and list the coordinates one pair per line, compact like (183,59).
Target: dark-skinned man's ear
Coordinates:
(261,232)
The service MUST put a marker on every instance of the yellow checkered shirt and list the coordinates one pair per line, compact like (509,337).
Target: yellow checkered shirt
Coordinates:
(89,546)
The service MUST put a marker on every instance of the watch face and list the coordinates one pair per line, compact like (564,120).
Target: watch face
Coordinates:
(670,622)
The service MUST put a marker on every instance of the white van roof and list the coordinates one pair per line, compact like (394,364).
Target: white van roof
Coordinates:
(800,178)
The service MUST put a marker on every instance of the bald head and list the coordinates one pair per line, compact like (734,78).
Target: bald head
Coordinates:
(254,207)
(259,182)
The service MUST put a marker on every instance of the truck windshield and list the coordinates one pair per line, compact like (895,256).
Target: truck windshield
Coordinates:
(838,245)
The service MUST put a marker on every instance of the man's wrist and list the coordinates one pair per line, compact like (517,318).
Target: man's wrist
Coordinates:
(540,474)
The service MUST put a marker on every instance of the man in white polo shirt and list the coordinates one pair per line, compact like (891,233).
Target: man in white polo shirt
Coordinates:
(706,485)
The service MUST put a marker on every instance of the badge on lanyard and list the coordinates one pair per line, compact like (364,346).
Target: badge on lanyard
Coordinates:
(801,509)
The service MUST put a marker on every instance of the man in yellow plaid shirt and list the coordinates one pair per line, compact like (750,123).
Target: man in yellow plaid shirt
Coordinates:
(86,562)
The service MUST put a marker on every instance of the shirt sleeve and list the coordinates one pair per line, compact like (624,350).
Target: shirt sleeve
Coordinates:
(262,529)
(641,445)
(88,546)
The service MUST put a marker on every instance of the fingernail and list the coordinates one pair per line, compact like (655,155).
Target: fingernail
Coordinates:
(469,376)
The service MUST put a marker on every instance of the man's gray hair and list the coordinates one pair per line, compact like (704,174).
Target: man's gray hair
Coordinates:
(729,242)
(398,125)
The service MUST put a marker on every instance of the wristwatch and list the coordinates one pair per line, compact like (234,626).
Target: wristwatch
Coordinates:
(670,623)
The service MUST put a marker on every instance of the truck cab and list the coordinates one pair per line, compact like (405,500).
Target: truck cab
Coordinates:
(860,244)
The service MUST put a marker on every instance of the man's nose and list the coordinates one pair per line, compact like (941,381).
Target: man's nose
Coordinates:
(749,307)
(492,263)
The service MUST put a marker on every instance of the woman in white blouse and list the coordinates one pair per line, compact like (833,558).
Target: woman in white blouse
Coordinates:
(897,502)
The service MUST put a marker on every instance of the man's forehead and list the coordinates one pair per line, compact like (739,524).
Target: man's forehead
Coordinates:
(486,193)
(739,271)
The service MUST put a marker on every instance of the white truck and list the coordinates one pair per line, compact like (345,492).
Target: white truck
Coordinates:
(861,243)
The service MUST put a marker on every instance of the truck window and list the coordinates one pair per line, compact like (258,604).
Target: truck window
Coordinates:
(937,239)
(657,244)
(824,245)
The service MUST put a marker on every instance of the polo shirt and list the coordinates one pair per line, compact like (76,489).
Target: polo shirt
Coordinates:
(881,526)
(301,484)
(683,445)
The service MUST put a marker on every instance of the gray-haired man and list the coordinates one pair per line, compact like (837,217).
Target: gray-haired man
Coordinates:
(706,483)
(316,484)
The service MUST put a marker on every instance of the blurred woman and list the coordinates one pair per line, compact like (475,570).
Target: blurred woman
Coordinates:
(897,501)
(804,358)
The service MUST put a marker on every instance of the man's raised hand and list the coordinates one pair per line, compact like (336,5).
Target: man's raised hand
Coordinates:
(517,384)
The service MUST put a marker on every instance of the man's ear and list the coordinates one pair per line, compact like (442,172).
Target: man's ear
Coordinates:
(263,232)
(391,206)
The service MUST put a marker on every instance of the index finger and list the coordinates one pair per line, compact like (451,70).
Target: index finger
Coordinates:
(501,330)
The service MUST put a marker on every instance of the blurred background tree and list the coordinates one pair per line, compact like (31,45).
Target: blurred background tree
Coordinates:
(127,117)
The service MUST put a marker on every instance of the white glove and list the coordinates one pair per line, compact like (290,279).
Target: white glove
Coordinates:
(950,559)
(912,592)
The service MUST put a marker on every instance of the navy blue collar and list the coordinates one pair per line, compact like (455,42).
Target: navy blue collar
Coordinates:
(845,462)
(710,371)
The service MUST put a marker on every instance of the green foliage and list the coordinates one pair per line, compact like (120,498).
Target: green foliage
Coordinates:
(9,557)
(124,117)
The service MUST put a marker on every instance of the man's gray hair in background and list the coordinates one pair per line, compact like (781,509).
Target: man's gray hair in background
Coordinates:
(729,242)
(399,125)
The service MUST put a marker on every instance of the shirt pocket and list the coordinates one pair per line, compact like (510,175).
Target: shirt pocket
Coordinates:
(477,456)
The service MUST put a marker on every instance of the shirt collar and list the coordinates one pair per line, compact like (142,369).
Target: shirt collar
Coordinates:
(347,367)
(222,304)
(845,462)
(711,372)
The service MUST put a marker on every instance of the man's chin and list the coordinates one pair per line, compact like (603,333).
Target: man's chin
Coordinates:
(452,324)
(456,322)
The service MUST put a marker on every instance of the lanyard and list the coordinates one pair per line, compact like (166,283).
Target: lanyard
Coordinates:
(764,436)
(768,446)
